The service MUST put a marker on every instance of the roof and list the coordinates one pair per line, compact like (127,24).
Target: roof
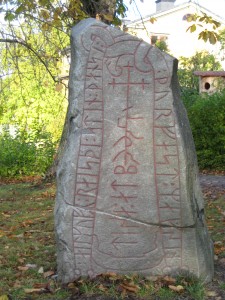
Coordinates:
(210,73)
(174,9)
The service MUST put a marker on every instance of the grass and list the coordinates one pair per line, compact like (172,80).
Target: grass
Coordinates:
(28,259)
(215,216)
(27,239)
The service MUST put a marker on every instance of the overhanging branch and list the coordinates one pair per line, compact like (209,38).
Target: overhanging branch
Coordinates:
(12,41)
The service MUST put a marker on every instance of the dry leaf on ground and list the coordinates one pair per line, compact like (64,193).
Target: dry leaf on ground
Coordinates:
(102,288)
(17,284)
(130,287)
(211,294)
(33,291)
(22,268)
(178,288)
(168,280)
(48,274)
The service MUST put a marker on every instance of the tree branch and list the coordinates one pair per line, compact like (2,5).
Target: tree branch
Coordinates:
(32,50)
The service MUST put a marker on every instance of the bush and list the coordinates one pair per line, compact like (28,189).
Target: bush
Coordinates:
(25,154)
(189,96)
(207,119)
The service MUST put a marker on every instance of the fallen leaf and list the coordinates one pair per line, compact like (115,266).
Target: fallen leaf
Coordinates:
(41,270)
(17,284)
(6,215)
(31,266)
(218,243)
(102,288)
(168,280)
(40,286)
(218,248)
(71,285)
(130,287)
(178,288)
(18,235)
(111,274)
(21,268)
(32,291)
(48,274)
(2,233)
(211,293)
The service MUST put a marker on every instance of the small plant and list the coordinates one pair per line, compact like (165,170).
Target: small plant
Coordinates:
(196,290)
(193,285)
(222,286)
(25,153)
(166,294)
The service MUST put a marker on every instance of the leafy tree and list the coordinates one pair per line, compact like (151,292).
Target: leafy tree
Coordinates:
(32,38)
(28,96)
(201,61)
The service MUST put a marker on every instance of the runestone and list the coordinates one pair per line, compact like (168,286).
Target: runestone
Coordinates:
(128,195)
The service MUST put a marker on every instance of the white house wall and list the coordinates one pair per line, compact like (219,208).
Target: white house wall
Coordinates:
(180,42)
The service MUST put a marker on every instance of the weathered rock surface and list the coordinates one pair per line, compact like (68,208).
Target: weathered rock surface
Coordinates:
(128,196)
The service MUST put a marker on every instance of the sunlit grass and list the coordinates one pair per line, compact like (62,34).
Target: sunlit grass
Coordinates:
(28,253)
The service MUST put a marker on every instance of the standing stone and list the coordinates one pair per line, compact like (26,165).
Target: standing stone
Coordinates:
(128,196)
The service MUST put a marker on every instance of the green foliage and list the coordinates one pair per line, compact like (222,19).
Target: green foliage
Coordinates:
(201,61)
(207,34)
(207,119)
(54,13)
(29,99)
(25,153)
(62,14)
(30,103)
(33,98)
(162,45)
(189,96)
(166,294)
(222,43)
(196,105)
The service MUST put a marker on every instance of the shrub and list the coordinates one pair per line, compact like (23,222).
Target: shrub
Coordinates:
(207,119)
(189,96)
(25,153)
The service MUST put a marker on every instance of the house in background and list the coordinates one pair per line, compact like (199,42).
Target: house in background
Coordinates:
(171,26)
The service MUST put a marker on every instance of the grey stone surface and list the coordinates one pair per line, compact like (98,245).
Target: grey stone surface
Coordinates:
(128,196)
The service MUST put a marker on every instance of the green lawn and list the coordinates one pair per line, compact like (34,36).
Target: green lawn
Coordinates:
(28,259)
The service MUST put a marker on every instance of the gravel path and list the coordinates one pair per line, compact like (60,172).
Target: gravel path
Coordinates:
(212,181)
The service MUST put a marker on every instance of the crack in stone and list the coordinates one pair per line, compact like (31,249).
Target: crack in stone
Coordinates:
(134,221)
